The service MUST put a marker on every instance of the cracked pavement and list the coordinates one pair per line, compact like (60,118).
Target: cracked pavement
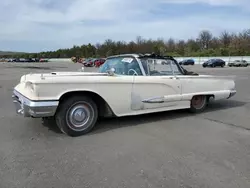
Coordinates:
(168,149)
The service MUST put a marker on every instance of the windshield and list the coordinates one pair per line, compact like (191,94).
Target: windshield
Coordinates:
(125,65)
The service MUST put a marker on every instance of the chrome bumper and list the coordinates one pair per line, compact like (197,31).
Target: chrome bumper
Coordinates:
(232,93)
(36,109)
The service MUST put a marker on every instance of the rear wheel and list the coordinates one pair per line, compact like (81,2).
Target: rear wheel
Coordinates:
(198,103)
(77,115)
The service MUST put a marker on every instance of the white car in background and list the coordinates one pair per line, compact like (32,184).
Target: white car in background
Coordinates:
(127,84)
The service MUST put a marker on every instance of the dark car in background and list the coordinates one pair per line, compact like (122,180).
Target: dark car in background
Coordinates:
(17,60)
(36,59)
(187,62)
(11,60)
(86,60)
(26,60)
(214,63)
(30,60)
(89,62)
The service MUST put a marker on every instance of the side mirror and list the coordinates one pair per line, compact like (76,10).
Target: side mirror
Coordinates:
(111,72)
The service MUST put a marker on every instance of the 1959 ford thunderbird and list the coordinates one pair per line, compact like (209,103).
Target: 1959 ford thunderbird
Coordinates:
(127,84)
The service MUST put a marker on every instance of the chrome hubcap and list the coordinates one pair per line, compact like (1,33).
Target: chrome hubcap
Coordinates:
(198,102)
(78,117)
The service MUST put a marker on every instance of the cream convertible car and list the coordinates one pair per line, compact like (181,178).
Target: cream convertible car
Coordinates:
(128,84)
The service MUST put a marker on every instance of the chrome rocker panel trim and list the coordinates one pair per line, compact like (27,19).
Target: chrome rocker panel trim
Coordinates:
(36,109)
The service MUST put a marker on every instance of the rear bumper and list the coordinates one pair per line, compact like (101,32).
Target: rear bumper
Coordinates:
(36,109)
(232,93)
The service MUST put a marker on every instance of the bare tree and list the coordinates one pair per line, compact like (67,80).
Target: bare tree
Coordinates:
(170,45)
(225,38)
(139,40)
(180,47)
(205,38)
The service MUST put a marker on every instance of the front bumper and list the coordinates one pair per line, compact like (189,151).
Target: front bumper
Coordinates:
(232,93)
(36,109)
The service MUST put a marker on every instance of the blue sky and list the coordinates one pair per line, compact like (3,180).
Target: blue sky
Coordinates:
(41,25)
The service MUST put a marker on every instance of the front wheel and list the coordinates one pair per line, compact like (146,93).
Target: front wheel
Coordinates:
(198,103)
(77,115)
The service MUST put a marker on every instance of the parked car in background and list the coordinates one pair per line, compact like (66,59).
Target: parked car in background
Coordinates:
(214,63)
(43,60)
(77,59)
(99,62)
(15,60)
(29,60)
(36,59)
(238,63)
(74,101)
(90,63)
(24,60)
(86,61)
(187,62)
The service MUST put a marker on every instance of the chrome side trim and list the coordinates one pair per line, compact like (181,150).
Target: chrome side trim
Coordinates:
(154,100)
(162,99)
(29,108)
(31,103)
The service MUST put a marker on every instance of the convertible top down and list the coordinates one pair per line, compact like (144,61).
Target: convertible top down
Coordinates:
(127,84)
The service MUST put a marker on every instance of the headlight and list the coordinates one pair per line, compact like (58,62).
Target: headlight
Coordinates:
(30,86)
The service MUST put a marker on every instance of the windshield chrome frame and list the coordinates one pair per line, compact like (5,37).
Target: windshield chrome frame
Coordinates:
(136,56)
(141,67)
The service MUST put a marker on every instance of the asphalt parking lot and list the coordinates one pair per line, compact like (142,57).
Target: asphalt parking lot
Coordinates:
(169,149)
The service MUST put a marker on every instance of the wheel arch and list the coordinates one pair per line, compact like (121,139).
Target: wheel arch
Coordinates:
(104,109)
(209,95)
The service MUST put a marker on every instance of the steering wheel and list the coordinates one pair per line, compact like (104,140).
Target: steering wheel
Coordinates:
(135,73)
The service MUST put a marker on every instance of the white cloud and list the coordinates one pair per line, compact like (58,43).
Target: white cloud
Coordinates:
(51,24)
(211,2)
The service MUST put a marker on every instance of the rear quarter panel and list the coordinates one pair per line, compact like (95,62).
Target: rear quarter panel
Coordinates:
(205,85)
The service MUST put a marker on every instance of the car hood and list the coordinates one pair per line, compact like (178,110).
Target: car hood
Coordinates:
(37,77)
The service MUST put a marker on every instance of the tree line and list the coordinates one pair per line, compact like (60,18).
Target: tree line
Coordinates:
(206,44)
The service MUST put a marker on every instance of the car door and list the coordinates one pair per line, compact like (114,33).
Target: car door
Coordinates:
(158,89)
